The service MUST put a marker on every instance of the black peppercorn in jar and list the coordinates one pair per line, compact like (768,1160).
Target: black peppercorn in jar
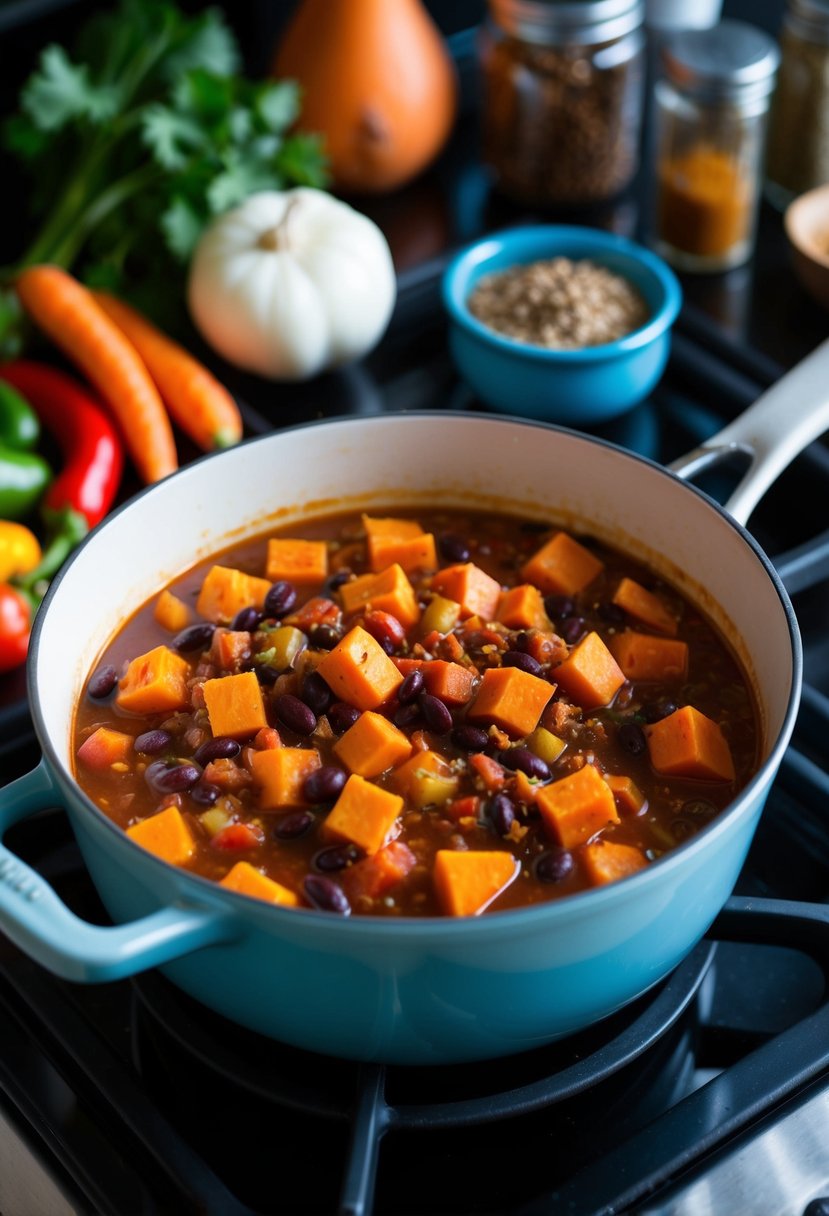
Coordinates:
(562,90)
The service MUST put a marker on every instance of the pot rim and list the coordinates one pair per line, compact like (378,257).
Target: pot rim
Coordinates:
(509,920)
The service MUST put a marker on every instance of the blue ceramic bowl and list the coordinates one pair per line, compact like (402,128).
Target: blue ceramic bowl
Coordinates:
(577,387)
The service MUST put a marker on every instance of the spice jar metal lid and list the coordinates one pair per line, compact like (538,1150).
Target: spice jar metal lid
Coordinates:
(730,61)
(559,22)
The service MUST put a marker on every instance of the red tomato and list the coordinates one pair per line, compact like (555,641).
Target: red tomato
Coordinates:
(238,837)
(15,627)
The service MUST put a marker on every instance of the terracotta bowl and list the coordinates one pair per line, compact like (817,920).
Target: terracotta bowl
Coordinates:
(807,226)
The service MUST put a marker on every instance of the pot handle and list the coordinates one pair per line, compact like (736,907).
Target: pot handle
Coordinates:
(772,431)
(34,917)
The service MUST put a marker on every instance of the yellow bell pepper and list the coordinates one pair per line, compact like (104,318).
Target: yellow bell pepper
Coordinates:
(19,550)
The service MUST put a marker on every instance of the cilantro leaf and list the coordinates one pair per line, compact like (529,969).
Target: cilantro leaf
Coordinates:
(240,178)
(62,91)
(171,137)
(182,226)
(278,104)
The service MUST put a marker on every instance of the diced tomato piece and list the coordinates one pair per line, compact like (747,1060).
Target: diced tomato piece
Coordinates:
(490,771)
(318,610)
(375,875)
(468,807)
(238,837)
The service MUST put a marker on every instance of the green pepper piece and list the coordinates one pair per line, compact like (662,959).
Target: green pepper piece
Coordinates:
(24,477)
(19,424)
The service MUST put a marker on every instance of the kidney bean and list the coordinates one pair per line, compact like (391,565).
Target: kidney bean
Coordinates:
(408,716)
(655,711)
(437,715)
(173,778)
(521,642)
(338,578)
(293,825)
(324,784)
(558,607)
(554,866)
(295,714)
(326,895)
(325,637)
(194,637)
(525,761)
(411,688)
(612,613)
(453,547)
(470,738)
(102,682)
(572,629)
(220,748)
(632,738)
(151,742)
(336,858)
(385,629)
(524,662)
(341,715)
(501,813)
(246,619)
(204,793)
(280,599)
(315,693)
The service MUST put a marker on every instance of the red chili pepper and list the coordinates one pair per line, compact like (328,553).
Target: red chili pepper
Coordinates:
(91,446)
(15,627)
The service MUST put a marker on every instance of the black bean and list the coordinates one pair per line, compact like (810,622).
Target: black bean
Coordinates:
(293,825)
(501,813)
(246,619)
(655,711)
(102,682)
(558,607)
(295,714)
(324,784)
(151,742)
(194,637)
(632,738)
(554,866)
(315,692)
(325,637)
(336,858)
(411,688)
(437,715)
(470,738)
(406,717)
(337,579)
(173,778)
(205,793)
(341,715)
(326,895)
(280,599)
(571,629)
(521,642)
(524,662)
(266,675)
(220,748)
(612,613)
(525,761)
(453,547)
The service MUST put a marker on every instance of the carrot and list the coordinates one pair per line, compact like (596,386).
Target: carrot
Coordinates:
(195,399)
(68,313)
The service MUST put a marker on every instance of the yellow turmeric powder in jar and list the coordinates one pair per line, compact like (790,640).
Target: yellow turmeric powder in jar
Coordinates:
(704,202)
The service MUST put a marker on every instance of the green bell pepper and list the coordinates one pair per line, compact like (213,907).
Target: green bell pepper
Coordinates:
(19,424)
(24,477)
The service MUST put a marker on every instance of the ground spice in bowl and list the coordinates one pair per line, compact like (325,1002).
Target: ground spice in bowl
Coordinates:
(558,303)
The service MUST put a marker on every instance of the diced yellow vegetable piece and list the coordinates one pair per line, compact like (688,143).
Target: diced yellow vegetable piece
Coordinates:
(247,880)
(155,682)
(466,882)
(298,561)
(234,705)
(170,612)
(425,779)
(364,813)
(226,591)
(547,746)
(440,614)
(166,834)
(280,773)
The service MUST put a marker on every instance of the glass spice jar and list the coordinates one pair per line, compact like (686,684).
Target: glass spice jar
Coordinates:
(711,105)
(562,98)
(798,147)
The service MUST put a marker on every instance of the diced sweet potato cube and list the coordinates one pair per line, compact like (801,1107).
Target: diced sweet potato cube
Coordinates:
(628,797)
(298,561)
(234,705)
(280,773)
(170,612)
(372,745)
(105,747)
(562,566)
(646,607)
(155,682)
(590,675)
(425,779)
(226,591)
(451,682)
(166,834)
(389,591)
(476,591)
(467,882)
(606,861)
(373,876)
(364,813)
(522,607)
(511,698)
(359,671)
(577,807)
(642,656)
(689,744)
(247,880)
(399,540)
